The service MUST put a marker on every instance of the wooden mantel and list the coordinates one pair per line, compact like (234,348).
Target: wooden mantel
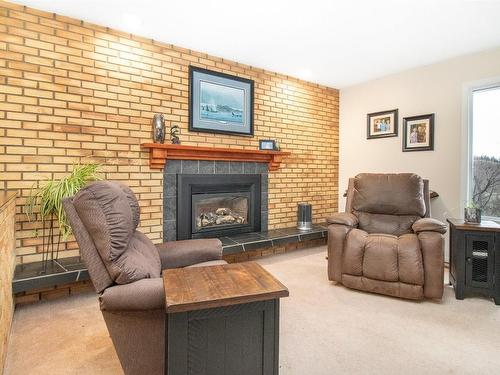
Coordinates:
(159,153)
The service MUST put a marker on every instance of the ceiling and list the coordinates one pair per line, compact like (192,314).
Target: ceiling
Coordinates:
(331,42)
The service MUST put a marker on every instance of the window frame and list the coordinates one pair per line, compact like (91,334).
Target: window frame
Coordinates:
(492,85)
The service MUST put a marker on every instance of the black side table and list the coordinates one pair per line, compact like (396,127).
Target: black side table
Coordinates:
(475,258)
(222,320)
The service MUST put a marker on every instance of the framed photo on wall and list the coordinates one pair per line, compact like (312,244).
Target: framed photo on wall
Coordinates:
(418,133)
(220,103)
(267,144)
(382,124)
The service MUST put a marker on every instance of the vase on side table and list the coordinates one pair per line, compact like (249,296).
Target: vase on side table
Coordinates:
(472,215)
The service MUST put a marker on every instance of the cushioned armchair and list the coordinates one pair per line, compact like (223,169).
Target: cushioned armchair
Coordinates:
(385,241)
(125,269)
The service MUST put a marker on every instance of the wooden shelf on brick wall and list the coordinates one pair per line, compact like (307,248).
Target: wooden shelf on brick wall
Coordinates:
(159,153)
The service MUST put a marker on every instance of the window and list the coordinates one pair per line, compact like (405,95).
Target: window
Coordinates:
(484,176)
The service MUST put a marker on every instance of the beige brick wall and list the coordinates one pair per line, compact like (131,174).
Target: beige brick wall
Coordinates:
(71,91)
(7,255)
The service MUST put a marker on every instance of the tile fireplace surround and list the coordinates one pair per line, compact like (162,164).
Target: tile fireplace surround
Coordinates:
(175,167)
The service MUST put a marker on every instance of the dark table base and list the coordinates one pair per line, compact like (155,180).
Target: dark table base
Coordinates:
(238,339)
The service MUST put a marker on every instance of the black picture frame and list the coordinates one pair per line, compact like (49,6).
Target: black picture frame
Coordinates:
(371,119)
(267,144)
(411,141)
(196,124)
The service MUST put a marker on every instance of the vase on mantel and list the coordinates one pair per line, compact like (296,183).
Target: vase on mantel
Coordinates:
(158,128)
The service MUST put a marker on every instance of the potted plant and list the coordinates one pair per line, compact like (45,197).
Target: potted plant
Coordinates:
(46,200)
(472,214)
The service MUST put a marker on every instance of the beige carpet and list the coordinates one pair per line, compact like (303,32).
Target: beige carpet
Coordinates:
(325,329)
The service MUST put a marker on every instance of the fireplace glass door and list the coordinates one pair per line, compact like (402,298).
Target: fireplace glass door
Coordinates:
(217,205)
(219,210)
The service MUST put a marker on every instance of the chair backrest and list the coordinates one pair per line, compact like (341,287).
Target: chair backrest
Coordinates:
(388,203)
(104,216)
(97,271)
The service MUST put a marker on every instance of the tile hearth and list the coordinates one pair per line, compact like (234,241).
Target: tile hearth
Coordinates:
(69,270)
(276,237)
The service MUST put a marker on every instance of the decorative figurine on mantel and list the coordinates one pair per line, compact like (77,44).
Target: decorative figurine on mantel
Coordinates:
(158,128)
(174,132)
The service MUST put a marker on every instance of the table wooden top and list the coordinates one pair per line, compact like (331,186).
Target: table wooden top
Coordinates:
(197,288)
(484,226)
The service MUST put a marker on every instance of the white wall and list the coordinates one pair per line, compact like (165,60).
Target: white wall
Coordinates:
(439,88)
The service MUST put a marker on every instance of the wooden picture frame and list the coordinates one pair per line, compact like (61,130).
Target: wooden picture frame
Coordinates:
(382,124)
(220,103)
(418,133)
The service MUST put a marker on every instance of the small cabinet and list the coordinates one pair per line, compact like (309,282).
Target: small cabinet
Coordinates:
(475,259)
(480,260)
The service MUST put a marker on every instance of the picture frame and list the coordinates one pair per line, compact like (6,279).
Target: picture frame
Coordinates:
(418,133)
(382,124)
(220,103)
(267,145)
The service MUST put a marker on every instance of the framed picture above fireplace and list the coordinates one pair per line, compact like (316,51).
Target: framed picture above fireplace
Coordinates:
(220,103)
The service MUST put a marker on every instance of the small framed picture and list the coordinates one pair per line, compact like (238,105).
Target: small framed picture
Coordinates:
(418,133)
(267,144)
(382,124)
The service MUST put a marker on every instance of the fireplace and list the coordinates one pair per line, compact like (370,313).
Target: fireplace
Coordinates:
(215,205)
(218,176)
(219,210)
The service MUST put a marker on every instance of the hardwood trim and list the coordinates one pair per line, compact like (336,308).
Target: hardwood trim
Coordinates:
(159,153)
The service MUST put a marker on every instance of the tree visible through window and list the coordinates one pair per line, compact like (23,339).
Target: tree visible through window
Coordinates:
(485,178)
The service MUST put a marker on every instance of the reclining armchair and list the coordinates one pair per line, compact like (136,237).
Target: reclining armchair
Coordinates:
(385,241)
(125,269)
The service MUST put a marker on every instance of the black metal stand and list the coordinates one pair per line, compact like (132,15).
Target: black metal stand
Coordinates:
(50,244)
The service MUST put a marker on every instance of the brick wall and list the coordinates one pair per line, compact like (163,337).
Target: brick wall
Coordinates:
(7,248)
(72,92)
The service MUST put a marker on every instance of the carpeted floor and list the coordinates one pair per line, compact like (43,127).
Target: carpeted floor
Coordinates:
(325,329)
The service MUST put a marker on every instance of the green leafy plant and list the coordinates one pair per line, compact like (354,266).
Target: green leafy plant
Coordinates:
(47,199)
(471,204)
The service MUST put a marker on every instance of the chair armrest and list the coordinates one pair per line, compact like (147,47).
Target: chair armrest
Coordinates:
(343,218)
(177,254)
(432,247)
(145,294)
(428,225)
(337,234)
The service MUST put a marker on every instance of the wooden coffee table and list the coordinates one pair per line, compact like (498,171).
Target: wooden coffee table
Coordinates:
(222,320)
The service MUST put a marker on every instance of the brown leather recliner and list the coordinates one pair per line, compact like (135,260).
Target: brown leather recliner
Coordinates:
(125,269)
(385,241)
